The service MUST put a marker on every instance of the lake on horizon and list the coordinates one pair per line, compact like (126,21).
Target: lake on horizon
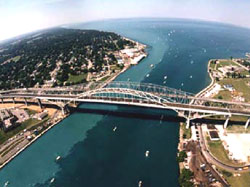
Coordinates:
(92,153)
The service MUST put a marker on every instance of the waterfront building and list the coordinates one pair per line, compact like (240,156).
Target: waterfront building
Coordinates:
(10,123)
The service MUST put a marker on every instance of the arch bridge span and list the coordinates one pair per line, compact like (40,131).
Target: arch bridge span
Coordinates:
(133,93)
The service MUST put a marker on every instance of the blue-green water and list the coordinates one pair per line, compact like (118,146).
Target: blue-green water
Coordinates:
(94,155)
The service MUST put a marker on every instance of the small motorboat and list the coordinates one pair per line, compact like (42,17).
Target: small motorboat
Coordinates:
(165,77)
(6,183)
(52,180)
(147,75)
(140,184)
(58,158)
(147,153)
(114,129)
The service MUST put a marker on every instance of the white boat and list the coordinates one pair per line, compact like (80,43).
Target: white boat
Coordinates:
(182,84)
(52,180)
(146,153)
(165,77)
(147,75)
(152,65)
(164,82)
(191,76)
(114,129)
(140,184)
(58,158)
(6,183)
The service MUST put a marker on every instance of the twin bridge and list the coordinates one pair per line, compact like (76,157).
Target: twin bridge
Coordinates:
(185,104)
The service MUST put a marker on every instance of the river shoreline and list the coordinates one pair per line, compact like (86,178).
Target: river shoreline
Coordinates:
(206,89)
(65,116)
(31,142)
(199,94)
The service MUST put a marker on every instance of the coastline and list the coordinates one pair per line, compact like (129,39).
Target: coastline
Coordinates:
(65,116)
(31,142)
(199,94)
(206,89)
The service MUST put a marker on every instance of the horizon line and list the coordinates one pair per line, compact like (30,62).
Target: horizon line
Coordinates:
(122,18)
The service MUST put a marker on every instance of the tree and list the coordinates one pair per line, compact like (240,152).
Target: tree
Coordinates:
(181,156)
(185,177)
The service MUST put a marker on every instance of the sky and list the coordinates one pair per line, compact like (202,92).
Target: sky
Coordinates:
(23,16)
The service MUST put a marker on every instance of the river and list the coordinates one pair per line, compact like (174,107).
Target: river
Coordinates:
(92,153)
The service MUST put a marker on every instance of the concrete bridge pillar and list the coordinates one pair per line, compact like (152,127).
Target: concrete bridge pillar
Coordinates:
(25,101)
(188,123)
(247,123)
(226,122)
(14,102)
(64,110)
(39,103)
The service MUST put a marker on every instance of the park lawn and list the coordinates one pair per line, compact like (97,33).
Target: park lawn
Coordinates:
(217,149)
(242,180)
(225,62)
(115,67)
(105,78)
(237,128)
(186,132)
(77,78)
(224,95)
(240,85)
(212,66)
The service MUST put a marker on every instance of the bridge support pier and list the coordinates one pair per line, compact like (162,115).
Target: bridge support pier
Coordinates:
(226,122)
(39,103)
(188,123)
(25,101)
(2,100)
(64,110)
(14,102)
(247,123)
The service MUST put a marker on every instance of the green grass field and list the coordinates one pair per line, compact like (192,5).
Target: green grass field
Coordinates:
(186,132)
(217,149)
(105,78)
(77,78)
(225,62)
(239,84)
(238,181)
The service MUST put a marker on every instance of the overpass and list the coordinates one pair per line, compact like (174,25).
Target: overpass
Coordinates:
(135,94)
